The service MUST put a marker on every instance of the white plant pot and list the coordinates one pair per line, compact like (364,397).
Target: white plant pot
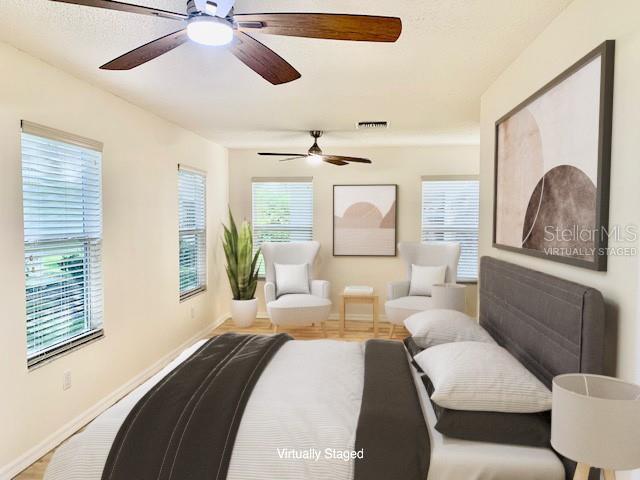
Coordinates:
(244,312)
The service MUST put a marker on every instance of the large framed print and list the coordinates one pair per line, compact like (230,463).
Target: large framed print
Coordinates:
(365,220)
(552,159)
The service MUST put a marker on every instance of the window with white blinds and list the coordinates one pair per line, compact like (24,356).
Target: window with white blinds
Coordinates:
(193,239)
(62,208)
(282,211)
(450,212)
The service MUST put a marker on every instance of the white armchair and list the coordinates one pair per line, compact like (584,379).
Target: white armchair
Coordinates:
(400,304)
(295,309)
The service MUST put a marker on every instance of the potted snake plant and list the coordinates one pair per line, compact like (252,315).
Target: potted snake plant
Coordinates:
(242,271)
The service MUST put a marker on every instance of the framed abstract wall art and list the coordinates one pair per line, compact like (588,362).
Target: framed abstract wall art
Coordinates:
(552,157)
(364,220)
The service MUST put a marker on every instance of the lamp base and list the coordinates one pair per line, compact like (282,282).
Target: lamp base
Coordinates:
(582,473)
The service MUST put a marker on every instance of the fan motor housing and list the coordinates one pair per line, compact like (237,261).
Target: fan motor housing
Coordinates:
(224,7)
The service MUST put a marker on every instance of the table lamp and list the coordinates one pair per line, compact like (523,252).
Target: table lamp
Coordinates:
(595,421)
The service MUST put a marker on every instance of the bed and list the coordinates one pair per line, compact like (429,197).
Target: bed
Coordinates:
(308,409)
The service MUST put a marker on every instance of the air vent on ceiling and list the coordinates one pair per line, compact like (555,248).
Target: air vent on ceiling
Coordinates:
(372,125)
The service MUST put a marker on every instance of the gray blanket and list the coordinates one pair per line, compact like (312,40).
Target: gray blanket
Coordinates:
(185,426)
(391,427)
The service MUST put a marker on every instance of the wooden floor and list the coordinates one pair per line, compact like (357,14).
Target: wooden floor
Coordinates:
(355,332)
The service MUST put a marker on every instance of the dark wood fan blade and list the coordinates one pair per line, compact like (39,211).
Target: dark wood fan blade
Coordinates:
(363,28)
(147,52)
(298,157)
(262,60)
(346,159)
(283,154)
(127,7)
(340,163)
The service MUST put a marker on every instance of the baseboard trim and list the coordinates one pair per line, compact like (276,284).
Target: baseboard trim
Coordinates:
(13,468)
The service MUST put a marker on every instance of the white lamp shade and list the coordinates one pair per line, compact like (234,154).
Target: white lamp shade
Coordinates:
(596,420)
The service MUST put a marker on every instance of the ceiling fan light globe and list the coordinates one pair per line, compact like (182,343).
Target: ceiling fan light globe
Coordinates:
(314,160)
(211,31)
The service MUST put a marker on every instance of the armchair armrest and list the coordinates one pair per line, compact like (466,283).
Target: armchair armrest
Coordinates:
(450,296)
(397,289)
(320,288)
(269,292)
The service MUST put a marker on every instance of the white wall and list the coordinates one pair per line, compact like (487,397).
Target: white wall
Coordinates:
(401,165)
(582,26)
(143,318)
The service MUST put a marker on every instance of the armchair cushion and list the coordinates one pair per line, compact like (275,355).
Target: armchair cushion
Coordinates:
(424,277)
(297,300)
(299,309)
(320,288)
(398,289)
(291,278)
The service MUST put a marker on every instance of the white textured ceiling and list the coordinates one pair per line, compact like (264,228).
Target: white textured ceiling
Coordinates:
(427,85)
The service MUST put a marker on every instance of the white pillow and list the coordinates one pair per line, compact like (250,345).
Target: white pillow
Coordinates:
(434,327)
(291,278)
(423,278)
(482,377)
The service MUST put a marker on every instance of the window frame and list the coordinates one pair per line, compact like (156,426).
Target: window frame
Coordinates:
(255,180)
(95,291)
(201,288)
(451,178)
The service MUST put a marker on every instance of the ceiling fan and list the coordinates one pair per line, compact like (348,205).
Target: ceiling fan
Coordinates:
(214,23)
(315,155)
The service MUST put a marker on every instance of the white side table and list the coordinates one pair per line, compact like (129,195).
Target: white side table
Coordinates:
(450,296)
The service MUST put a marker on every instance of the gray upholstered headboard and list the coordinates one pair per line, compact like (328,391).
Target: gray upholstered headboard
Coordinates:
(551,325)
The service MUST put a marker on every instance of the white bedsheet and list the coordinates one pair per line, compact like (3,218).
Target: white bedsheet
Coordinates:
(308,397)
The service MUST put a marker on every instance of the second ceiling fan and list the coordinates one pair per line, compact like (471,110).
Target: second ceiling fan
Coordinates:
(315,154)
(214,23)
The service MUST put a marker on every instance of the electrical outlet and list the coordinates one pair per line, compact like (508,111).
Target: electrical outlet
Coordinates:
(66,380)
(193,312)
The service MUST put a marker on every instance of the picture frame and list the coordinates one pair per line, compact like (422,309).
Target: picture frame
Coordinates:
(365,219)
(551,179)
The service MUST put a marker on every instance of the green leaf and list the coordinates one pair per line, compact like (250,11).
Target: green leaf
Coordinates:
(241,260)
(254,263)
(232,225)
(234,285)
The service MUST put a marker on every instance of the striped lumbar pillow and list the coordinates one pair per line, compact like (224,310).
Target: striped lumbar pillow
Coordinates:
(482,377)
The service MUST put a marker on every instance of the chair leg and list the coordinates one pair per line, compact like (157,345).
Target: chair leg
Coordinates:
(582,472)
(324,329)
(392,330)
(275,328)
